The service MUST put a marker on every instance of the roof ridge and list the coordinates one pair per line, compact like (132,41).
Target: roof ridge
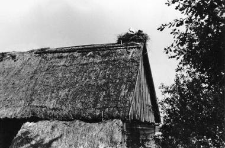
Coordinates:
(86,48)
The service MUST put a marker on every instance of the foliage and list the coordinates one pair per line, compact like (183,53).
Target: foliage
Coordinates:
(199,36)
(194,105)
(138,36)
(194,113)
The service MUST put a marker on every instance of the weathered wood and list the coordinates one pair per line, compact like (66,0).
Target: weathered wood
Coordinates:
(139,135)
(140,109)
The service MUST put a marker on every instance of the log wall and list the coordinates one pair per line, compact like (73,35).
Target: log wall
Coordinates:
(139,135)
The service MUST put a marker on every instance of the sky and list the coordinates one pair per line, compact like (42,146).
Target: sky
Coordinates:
(33,24)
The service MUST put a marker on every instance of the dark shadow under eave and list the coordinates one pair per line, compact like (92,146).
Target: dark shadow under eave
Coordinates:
(150,84)
(10,127)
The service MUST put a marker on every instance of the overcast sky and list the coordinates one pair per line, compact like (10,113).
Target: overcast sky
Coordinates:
(32,24)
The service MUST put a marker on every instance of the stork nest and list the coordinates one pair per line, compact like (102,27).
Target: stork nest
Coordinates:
(138,36)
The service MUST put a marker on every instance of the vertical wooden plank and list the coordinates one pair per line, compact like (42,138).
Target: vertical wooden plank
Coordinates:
(141,106)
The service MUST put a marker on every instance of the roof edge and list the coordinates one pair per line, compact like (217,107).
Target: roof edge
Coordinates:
(87,48)
(149,78)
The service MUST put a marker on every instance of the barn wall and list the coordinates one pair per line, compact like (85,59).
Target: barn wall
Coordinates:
(111,133)
(70,134)
(141,106)
(149,79)
(139,135)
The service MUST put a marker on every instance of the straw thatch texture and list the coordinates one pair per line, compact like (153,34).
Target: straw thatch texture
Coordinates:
(92,82)
(70,134)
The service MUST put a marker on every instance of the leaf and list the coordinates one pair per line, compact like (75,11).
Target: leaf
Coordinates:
(197,94)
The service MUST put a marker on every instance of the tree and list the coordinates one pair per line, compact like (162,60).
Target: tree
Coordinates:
(194,105)
(193,114)
(199,37)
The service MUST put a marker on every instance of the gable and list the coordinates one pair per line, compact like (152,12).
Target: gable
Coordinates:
(144,105)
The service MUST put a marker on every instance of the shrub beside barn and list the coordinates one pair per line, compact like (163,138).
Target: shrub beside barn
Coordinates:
(93,84)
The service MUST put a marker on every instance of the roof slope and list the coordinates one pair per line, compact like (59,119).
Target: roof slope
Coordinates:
(82,82)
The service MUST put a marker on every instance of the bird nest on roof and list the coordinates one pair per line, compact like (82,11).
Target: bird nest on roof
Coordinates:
(138,36)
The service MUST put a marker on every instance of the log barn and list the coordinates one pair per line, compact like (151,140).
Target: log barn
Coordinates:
(90,83)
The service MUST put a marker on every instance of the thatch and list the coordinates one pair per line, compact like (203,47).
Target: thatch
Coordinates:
(70,134)
(91,82)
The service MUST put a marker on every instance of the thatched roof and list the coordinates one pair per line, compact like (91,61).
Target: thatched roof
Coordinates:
(70,134)
(91,82)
